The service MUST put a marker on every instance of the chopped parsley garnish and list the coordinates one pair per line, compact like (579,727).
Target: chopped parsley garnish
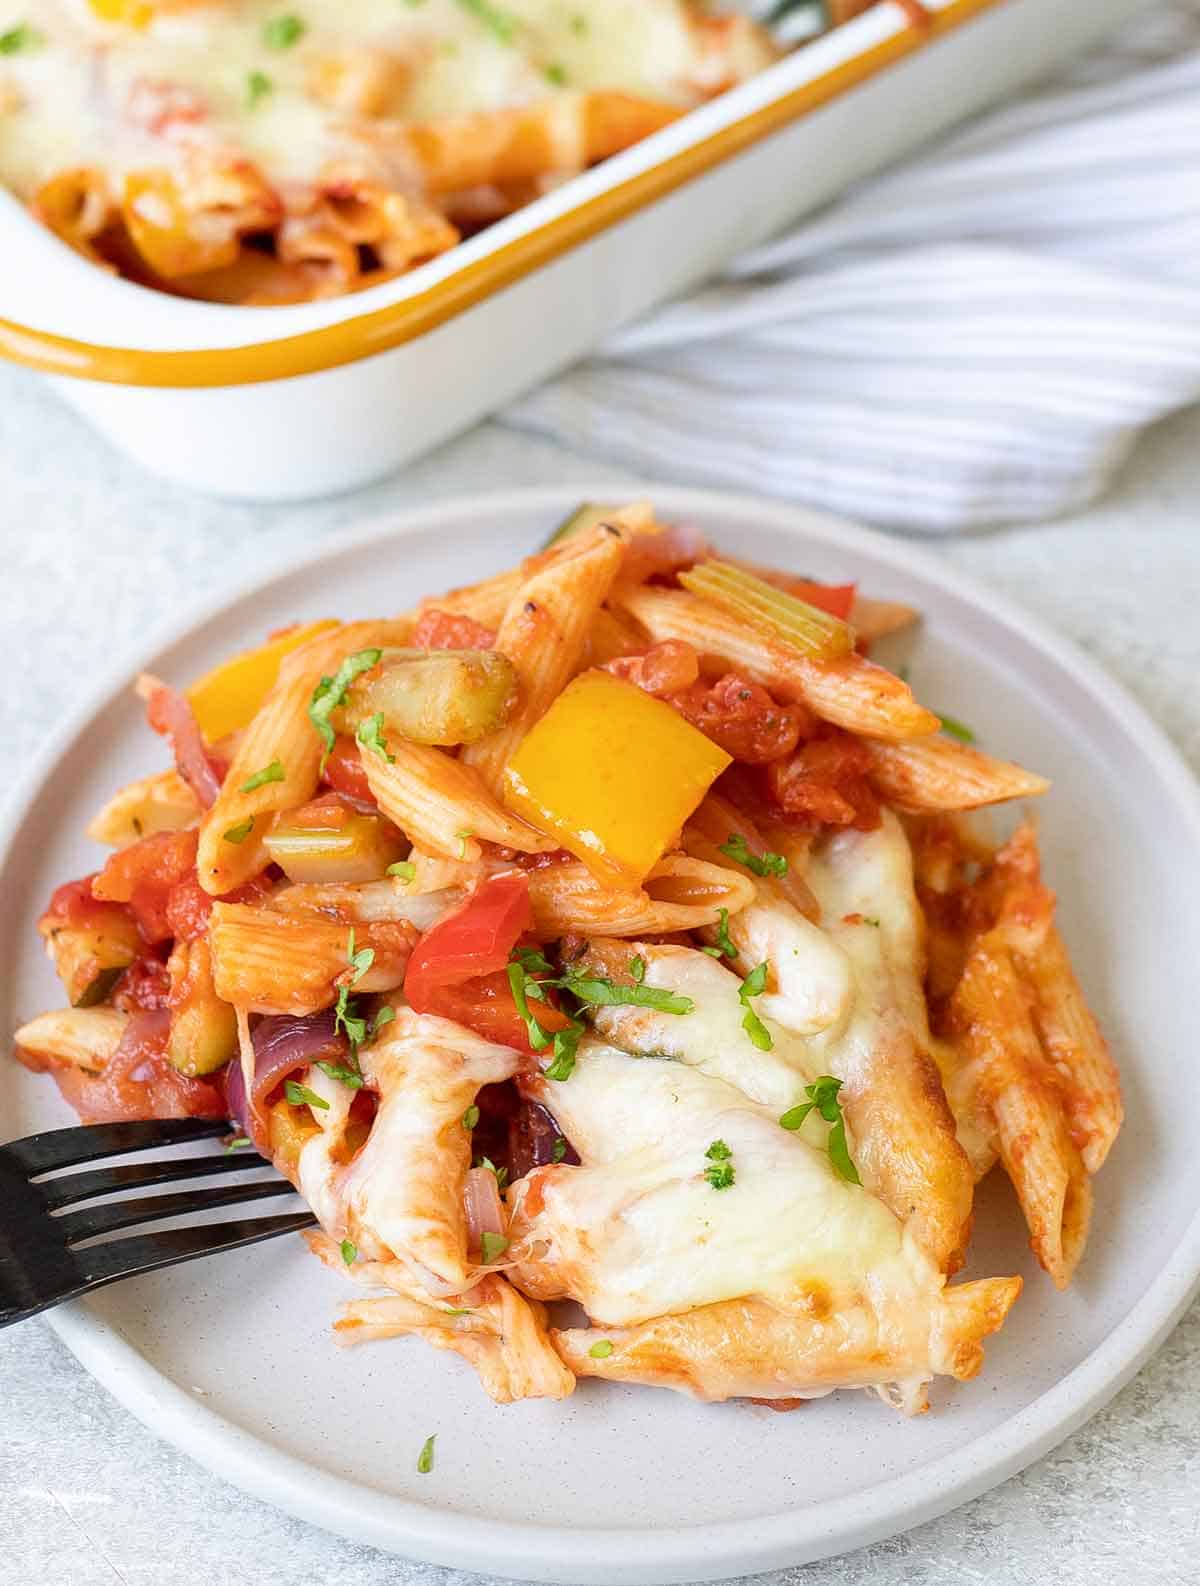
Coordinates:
(22,37)
(579,24)
(601,1350)
(500,1173)
(753,986)
(492,1245)
(345,1016)
(236,1144)
(239,833)
(720,1174)
(823,1095)
(349,1252)
(870,919)
(258,86)
(637,969)
(404,868)
(463,838)
(339,1071)
(281,32)
(493,18)
(370,735)
(331,692)
(597,991)
(385,1016)
(470,1118)
(301,1096)
(736,848)
(589,991)
(555,73)
(425,1457)
(269,773)
(725,947)
(957,729)
(559,1149)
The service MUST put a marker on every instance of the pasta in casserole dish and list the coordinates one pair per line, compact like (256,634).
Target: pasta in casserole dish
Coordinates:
(250,151)
(612,931)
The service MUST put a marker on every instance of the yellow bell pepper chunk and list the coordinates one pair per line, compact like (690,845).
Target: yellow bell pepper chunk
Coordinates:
(612,773)
(137,13)
(228,698)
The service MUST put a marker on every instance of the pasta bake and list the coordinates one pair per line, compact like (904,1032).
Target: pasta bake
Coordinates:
(247,151)
(613,931)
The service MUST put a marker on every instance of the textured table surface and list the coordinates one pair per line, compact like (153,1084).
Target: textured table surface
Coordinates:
(95,555)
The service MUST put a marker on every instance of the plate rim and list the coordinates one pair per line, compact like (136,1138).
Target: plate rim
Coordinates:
(553,1553)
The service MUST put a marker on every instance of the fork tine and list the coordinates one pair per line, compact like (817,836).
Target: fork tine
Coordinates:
(55,1148)
(92,1220)
(73,1187)
(127,1257)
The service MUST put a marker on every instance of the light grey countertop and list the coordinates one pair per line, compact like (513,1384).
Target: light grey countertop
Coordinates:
(96,555)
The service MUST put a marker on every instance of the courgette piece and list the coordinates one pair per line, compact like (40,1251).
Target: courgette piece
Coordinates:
(89,959)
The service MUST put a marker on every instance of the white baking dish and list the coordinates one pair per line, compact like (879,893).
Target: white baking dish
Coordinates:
(284,403)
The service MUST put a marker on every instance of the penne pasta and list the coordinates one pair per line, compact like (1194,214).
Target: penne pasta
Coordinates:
(543,633)
(160,803)
(851,692)
(1015,1086)
(87,1037)
(680,894)
(232,848)
(442,805)
(933,774)
(266,962)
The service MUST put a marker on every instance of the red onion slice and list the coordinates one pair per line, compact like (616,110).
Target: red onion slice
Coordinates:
(283,1043)
(170,714)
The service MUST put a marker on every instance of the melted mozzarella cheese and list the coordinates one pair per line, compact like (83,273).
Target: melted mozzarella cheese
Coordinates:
(712,1038)
(638,1231)
(89,90)
(402,1195)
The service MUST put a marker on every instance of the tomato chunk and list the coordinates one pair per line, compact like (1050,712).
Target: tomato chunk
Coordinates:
(143,876)
(459,967)
(449,630)
(344,771)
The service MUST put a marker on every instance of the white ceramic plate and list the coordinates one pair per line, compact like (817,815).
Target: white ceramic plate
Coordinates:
(633,1485)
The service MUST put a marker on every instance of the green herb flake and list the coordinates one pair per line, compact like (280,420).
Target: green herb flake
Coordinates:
(539,1038)
(532,961)
(385,1016)
(556,74)
(349,1252)
(579,24)
(753,986)
(344,1075)
(559,1149)
(471,1117)
(725,946)
(281,32)
(735,847)
(269,773)
(500,1173)
(637,969)
(870,919)
(720,1175)
(463,838)
(404,868)
(566,1048)
(258,86)
(370,735)
(236,1144)
(597,991)
(21,37)
(718,1151)
(497,22)
(331,692)
(239,833)
(957,729)
(301,1096)
(823,1095)
(492,1245)
(601,1350)
(425,1457)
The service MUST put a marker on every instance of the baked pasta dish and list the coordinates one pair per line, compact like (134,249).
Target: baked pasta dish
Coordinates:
(274,151)
(613,931)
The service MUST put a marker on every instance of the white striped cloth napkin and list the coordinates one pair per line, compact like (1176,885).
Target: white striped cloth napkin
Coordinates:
(975,337)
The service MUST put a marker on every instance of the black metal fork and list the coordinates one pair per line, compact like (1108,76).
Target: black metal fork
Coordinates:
(45,1251)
